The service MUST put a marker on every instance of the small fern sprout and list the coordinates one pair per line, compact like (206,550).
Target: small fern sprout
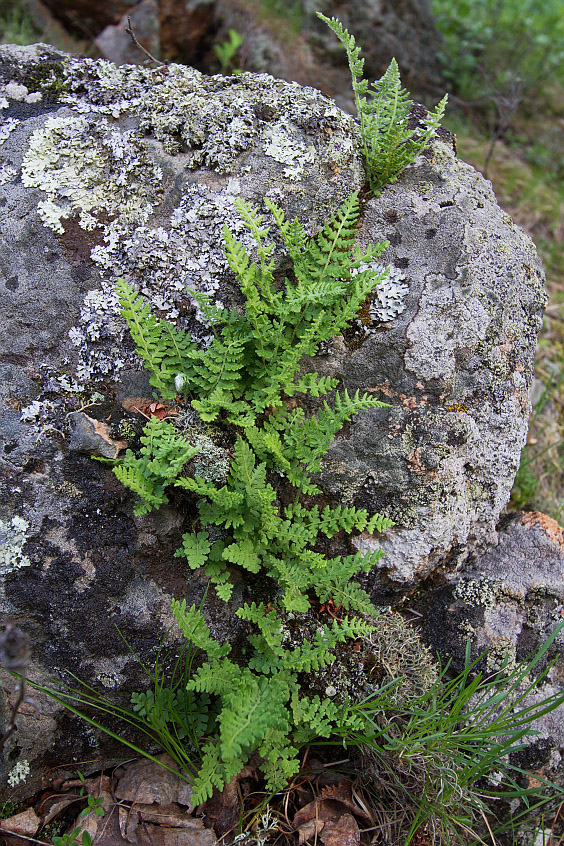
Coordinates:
(389,144)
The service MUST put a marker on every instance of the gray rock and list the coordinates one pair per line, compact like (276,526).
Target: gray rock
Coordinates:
(93,437)
(133,172)
(115,43)
(508,601)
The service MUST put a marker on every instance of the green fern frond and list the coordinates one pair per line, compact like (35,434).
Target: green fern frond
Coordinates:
(243,554)
(193,626)
(313,384)
(244,381)
(280,761)
(383,108)
(196,548)
(162,456)
(211,774)
(133,475)
(165,351)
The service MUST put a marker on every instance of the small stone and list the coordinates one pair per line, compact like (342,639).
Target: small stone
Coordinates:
(25,823)
(93,437)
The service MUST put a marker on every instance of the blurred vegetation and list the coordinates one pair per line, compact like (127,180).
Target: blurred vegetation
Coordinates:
(16,26)
(504,63)
(25,23)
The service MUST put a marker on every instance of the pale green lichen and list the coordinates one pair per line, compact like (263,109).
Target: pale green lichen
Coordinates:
(212,463)
(284,144)
(501,654)
(12,540)
(481,592)
(94,171)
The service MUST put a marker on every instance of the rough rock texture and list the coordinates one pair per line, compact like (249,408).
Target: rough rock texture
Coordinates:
(114,42)
(86,15)
(132,172)
(508,601)
(403,29)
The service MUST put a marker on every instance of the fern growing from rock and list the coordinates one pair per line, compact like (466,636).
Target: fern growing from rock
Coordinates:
(247,381)
(383,107)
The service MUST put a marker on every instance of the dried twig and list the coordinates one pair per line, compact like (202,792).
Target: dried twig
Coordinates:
(129,30)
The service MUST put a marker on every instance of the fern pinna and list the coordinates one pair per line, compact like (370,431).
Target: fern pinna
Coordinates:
(246,380)
(383,107)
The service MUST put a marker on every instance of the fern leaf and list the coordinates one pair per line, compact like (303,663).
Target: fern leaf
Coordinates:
(314,385)
(196,548)
(243,554)
(210,775)
(331,585)
(389,145)
(224,590)
(250,711)
(165,351)
(193,626)
(130,473)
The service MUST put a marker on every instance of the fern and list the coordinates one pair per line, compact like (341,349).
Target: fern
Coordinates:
(165,351)
(245,380)
(389,145)
(162,457)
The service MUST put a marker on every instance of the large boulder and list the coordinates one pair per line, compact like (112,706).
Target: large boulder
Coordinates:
(132,172)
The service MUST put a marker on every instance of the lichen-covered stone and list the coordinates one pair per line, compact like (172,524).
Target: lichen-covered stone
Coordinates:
(133,172)
(508,601)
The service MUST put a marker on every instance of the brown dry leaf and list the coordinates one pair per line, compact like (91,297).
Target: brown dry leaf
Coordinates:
(159,835)
(222,808)
(308,830)
(108,830)
(93,823)
(128,820)
(173,815)
(53,807)
(343,832)
(321,809)
(342,792)
(550,526)
(145,782)
(25,823)
(135,403)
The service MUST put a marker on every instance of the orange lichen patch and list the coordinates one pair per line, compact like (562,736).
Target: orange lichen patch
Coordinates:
(406,401)
(550,526)
(417,466)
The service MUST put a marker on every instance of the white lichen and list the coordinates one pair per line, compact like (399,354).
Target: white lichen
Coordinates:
(388,297)
(18,773)
(12,540)
(36,411)
(501,654)
(7,173)
(283,143)
(482,592)
(93,171)
(16,91)
(7,128)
